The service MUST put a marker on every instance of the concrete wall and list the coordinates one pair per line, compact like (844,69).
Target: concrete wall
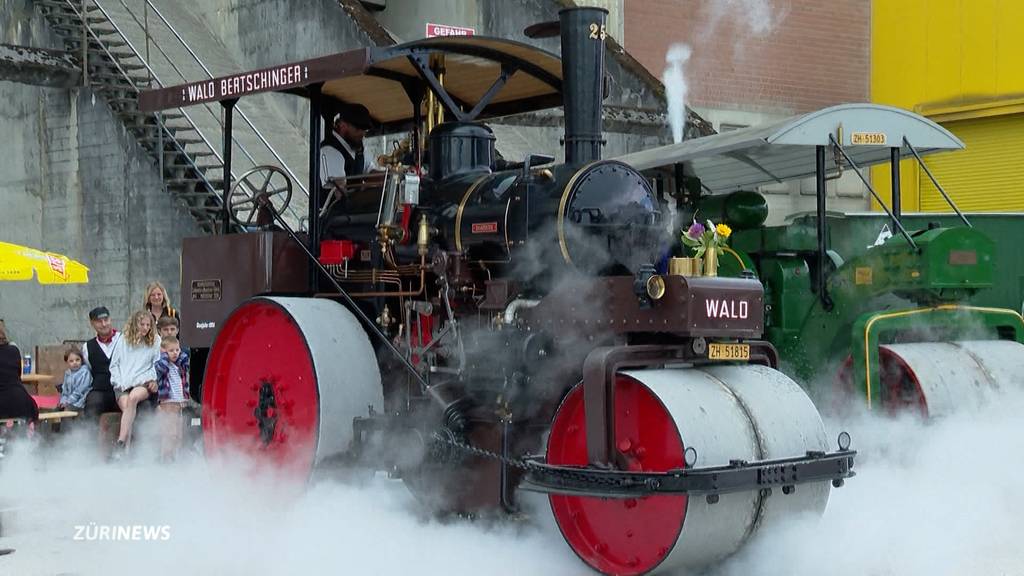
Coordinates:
(72,181)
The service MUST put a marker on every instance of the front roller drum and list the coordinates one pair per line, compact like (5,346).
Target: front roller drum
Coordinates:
(725,413)
(284,381)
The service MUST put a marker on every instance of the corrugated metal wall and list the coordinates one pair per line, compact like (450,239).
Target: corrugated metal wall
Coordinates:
(988,176)
(958,62)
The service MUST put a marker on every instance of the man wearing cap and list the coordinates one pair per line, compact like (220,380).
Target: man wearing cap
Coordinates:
(341,152)
(96,354)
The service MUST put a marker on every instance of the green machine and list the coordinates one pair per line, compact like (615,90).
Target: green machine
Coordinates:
(887,320)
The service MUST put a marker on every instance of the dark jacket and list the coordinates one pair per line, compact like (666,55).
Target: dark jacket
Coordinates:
(15,401)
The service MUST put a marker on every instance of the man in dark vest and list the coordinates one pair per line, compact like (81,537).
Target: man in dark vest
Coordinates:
(341,152)
(96,353)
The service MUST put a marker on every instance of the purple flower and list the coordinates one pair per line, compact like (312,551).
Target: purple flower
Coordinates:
(695,231)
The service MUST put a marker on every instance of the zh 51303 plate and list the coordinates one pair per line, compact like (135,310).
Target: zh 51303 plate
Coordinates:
(729,352)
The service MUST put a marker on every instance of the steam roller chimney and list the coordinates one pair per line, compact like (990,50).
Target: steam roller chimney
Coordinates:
(583,32)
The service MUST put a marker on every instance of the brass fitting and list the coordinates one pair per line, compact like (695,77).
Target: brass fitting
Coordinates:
(423,236)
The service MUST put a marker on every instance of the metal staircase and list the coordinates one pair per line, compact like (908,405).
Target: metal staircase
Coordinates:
(185,144)
(115,71)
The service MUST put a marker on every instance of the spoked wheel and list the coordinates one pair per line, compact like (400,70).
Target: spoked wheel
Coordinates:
(722,412)
(261,184)
(285,378)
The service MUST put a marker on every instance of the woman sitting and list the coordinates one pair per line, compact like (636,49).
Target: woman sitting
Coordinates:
(131,371)
(15,401)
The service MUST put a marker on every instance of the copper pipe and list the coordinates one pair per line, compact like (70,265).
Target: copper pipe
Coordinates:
(419,291)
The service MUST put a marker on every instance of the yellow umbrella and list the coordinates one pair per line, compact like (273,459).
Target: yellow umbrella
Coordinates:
(21,263)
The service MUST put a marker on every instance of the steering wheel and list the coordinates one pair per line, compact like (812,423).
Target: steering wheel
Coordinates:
(262,184)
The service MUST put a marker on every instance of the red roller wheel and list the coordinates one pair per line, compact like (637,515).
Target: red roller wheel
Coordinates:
(284,379)
(620,536)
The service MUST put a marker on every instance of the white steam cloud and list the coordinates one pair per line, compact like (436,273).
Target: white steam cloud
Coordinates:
(935,499)
(226,519)
(674,80)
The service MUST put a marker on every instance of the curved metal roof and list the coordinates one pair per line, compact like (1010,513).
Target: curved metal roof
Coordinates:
(781,151)
(377,78)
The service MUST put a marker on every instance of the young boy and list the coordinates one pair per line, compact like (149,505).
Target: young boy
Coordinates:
(77,382)
(168,327)
(172,391)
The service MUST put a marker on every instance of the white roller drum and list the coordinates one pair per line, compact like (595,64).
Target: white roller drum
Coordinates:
(322,370)
(728,412)
(738,412)
(958,376)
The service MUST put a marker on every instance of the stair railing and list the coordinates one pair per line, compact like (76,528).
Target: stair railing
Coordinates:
(163,129)
(238,109)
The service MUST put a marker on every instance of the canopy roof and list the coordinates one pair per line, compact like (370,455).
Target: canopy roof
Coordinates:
(379,77)
(748,157)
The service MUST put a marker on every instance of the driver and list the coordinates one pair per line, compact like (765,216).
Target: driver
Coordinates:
(341,152)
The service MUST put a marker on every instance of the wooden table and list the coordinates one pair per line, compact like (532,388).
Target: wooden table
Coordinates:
(32,382)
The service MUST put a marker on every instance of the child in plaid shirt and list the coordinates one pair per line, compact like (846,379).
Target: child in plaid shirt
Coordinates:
(172,391)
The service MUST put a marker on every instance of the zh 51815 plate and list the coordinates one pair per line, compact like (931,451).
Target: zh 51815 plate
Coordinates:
(729,352)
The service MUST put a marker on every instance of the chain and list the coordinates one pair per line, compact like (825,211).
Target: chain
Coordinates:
(521,464)
(588,476)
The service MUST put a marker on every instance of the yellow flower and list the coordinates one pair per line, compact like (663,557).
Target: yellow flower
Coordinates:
(723,230)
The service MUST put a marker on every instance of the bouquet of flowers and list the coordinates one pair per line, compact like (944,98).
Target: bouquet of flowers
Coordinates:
(707,239)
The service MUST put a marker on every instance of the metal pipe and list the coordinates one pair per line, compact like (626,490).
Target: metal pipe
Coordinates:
(515,305)
(583,33)
(856,169)
(819,173)
(938,186)
(85,45)
(894,172)
(314,182)
(421,290)
(229,106)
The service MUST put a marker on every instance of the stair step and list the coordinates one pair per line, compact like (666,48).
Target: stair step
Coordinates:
(132,80)
(119,55)
(63,9)
(64,5)
(110,88)
(77,29)
(180,141)
(109,43)
(115,100)
(168,116)
(197,195)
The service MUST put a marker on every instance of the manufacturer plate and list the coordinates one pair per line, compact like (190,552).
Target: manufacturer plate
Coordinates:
(729,351)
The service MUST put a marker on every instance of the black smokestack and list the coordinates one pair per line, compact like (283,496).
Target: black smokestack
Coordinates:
(583,33)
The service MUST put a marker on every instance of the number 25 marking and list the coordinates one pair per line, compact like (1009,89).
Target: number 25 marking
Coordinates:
(598,32)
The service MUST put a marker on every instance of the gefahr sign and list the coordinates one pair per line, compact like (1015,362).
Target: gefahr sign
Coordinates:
(443,30)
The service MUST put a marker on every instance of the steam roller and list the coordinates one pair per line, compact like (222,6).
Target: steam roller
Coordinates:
(692,459)
(898,318)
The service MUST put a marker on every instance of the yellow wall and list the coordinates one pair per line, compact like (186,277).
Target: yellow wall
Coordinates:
(945,59)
